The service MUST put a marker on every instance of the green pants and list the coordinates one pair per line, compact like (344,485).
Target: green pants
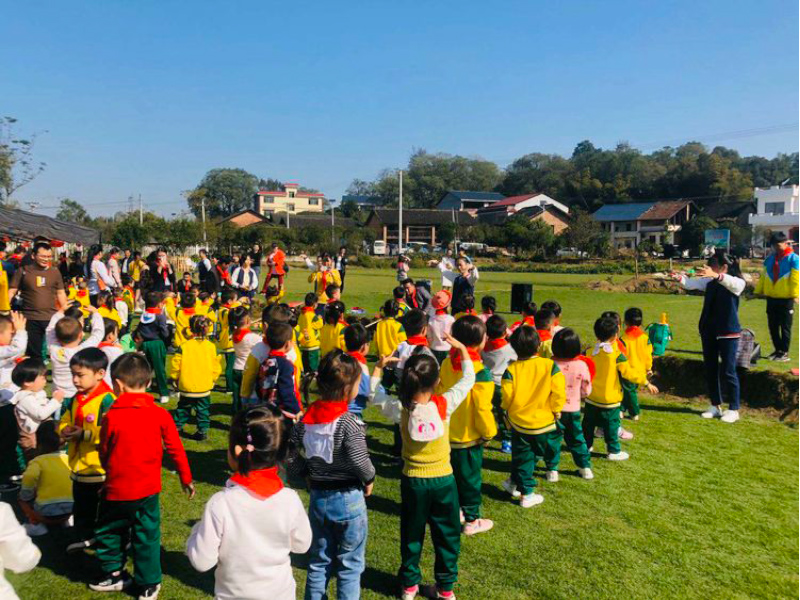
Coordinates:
(573,438)
(310,360)
(85,497)
(432,502)
(527,450)
(630,400)
(230,358)
(503,433)
(236,388)
(138,521)
(467,464)
(606,419)
(156,354)
(200,405)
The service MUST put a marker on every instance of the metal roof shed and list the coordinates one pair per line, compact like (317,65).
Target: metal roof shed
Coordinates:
(22,225)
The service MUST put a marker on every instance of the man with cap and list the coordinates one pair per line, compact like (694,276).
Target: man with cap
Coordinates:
(779,285)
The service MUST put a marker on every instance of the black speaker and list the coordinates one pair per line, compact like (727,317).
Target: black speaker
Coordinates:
(521,293)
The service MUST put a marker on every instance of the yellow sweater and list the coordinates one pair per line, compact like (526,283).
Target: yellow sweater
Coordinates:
(473,422)
(224,340)
(196,367)
(47,480)
(425,459)
(84,455)
(110,313)
(640,350)
(309,325)
(610,364)
(388,335)
(5,304)
(181,317)
(533,391)
(331,337)
(323,280)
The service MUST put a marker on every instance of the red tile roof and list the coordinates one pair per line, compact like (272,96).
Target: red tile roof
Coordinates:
(663,210)
(514,200)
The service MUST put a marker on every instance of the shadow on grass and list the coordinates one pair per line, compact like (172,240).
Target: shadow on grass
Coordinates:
(380,582)
(209,466)
(669,409)
(379,425)
(385,505)
(75,567)
(177,565)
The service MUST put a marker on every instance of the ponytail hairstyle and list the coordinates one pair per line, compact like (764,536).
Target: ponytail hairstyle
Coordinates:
(468,302)
(389,309)
(261,434)
(105,298)
(198,327)
(420,375)
(337,374)
(489,304)
(333,312)
(723,259)
(237,316)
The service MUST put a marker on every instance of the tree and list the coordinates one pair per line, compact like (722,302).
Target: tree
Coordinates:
(693,234)
(270,184)
(72,212)
(359,187)
(585,234)
(129,234)
(430,176)
(226,191)
(17,165)
(447,233)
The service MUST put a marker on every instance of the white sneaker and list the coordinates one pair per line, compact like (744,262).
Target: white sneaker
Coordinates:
(713,412)
(410,593)
(552,476)
(586,473)
(730,416)
(35,530)
(461,518)
(511,488)
(164,399)
(530,500)
(619,456)
(477,526)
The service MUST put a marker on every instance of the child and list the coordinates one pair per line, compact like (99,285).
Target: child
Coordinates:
(134,435)
(153,333)
(243,342)
(399,295)
(186,284)
(528,316)
(129,296)
(578,385)
(439,325)
(309,325)
(31,405)
(106,306)
(110,346)
(224,339)
(196,369)
(333,456)
(533,396)
(181,316)
(279,386)
(555,308)
(467,307)
(334,293)
(389,333)
(323,276)
(496,355)
(330,336)
(488,307)
(46,493)
(273,294)
(80,426)
(13,341)
(250,527)
(64,335)
(624,434)
(602,404)
(122,310)
(544,320)
(428,489)
(415,324)
(356,340)
(640,356)
(473,423)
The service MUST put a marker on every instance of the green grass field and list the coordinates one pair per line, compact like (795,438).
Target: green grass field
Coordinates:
(702,509)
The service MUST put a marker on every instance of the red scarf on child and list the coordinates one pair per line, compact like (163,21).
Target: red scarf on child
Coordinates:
(325,411)
(153,311)
(455,357)
(417,340)
(359,357)
(441,311)
(544,335)
(776,263)
(308,309)
(634,331)
(239,334)
(82,400)
(492,345)
(262,483)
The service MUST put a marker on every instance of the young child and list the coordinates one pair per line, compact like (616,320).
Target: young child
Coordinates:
(64,340)
(133,438)
(330,336)
(243,342)
(153,333)
(496,355)
(250,527)
(129,296)
(578,385)
(46,493)
(278,386)
(467,306)
(555,308)
(181,316)
(186,284)
(640,356)
(106,306)
(488,307)
(273,294)
(80,426)
(415,325)
(624,434)
(389,331)
(356,340)
(528,316)
(333,456)
(334,292)
(544,320)
(439,325)
(602,404)
(110,346)
(472,424)
(31,405)
(402,269)
(309,325)
(196,369)
(399,295)
(122,310)
(224,338)
(533,396)
(13,341)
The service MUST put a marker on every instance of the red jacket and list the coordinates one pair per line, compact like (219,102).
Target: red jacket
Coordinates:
(132,441)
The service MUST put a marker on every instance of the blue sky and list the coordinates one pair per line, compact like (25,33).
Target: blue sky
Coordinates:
(144,97)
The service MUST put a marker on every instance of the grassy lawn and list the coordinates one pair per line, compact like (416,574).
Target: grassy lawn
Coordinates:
(702,509)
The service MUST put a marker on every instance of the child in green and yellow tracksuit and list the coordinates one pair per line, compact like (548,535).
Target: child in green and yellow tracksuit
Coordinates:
(602,404)
(545,319)
(181,315)
(533,396)
(224,340)
(308,328)
(640,356)
(80,425)
(472,424)
(331,335)
(196,369)
(389,333)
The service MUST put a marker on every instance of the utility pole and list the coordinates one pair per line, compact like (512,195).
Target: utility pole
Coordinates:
(400,218)
(333,235)
(141,211)
(287,217)
(203,209)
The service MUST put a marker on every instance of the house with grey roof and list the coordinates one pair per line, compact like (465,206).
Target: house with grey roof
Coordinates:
(467,201)
(630,224)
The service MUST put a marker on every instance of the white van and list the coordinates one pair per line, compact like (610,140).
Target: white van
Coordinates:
(379,248)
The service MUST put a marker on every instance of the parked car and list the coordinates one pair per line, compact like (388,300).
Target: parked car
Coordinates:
(379,248)
(571,253)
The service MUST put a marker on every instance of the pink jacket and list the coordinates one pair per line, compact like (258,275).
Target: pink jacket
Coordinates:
(578,383)
(437,327)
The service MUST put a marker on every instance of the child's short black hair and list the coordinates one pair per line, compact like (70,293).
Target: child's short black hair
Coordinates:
(228,295)
(333,312)
(27,371)
(633,317)
(355,336)
(390,308)
(469,330)
(93,359)
(105,298)
(496,327)
(331,289)
(529,309)
(68,330)
(566,344)
(310,299)
(74,311)
(337,374)
(399,292)
(605,328)
(468,302)
(525,341)
(414,321)
(275,313)
(489,304)
(544,318)
(554,306)
(264,430)
(126,279)
(611,314)
(47,438)
(110,326)
(185,273)
(152,299)
(133,370)
(278,335)
(188,299)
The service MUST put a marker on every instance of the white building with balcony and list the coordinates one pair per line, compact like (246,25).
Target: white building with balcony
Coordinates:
(776,210)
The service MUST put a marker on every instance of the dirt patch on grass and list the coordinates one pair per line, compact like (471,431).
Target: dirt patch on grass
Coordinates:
(645,284)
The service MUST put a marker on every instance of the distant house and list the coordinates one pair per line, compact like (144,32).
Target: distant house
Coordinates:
(777,210)
(468,201)
(736,212)
(628,225)
(291,199)
(244,218)
(549,213)
(363,201)
(501,210)
(309,219)
(419,225)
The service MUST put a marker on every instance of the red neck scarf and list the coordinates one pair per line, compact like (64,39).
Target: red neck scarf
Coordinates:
(325,411)
(589,363)
(239,334)
(455,357)
(359,357)
(224,275)
(623,349)
(83,399)
(528,321)
(544,335)
(776,262)
(153,311)
(277,353)
(417,340)
(634,331)
(469,311)
(308,309)
(262,483)
(441,311)
(414,299)
(492,345)
(188,311)
(323,281)
(108,345)
(82,293)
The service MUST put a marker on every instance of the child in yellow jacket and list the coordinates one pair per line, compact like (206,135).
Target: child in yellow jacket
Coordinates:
(309,325)
(544,320)
(472,424)
(331,335)
(640,356)
(196,369)
(534,393)
(181,315)
(223,339)
(602,404)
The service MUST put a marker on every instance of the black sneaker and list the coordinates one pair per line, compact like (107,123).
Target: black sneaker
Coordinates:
(80,546)
(150,592)
(773,355)
(201,436)
(113,582)
(781,358)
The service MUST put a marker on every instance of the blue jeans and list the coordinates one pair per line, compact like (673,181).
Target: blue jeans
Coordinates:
(339,527)
(719,356)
